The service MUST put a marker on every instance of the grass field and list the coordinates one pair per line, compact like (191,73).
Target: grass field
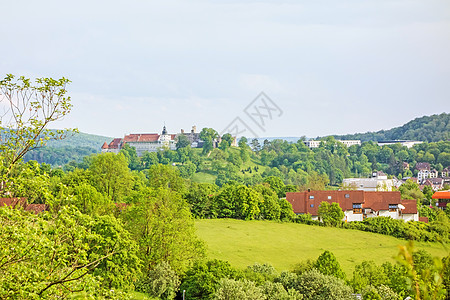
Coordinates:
(203,177)
(282,245)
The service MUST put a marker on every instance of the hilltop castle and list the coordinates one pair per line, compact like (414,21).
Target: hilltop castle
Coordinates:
(152,142)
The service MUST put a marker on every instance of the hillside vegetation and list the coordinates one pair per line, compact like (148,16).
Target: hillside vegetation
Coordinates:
(283,245)
(427,128)
(72,148)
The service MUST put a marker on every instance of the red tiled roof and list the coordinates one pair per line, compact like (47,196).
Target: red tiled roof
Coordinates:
(441,195)
(302,202)
(423,219)
(410,207)
(13,202)
(105,145)
(380,200)
(36,208)
(145,137)
(115,144)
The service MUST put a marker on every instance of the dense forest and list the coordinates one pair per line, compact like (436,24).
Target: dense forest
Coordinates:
(433,128)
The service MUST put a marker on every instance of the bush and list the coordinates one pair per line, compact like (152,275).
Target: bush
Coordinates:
(314,285)
(162,282)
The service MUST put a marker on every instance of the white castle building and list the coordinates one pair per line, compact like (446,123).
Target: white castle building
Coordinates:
(142,142)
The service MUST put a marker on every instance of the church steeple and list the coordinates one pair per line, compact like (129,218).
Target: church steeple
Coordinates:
(164,132)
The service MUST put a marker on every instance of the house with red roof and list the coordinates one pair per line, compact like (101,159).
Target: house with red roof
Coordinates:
(442,199)
(357,205)
(435,183)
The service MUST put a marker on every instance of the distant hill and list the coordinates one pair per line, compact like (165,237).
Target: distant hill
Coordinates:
(73,147)
(428,129)
(81,140)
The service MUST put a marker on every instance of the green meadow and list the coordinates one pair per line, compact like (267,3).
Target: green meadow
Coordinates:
(283,245)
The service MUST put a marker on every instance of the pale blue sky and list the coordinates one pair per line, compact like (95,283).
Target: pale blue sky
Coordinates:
(333,67)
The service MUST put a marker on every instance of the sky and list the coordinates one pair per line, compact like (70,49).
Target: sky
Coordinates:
(324,67)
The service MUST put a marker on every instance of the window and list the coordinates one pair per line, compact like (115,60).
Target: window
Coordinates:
(393,207)
(357,208)
(347,195)
(312,205)
(311,197)
(329,197)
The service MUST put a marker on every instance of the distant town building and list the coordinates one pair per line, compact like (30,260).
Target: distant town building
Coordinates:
(407,144)
(316,144)
(425,172)
(357,205)
(378,182)
(435,183)
(445,172)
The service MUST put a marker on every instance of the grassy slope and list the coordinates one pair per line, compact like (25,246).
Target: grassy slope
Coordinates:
(282,245)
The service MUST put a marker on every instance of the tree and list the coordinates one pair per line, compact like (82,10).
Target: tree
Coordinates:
(425,275)
(327,264)
(202,279)
(28,110)
(277,185)
(208,136)
(182,141)
(200,197)
(148,159)
(166,177)
(131,155)
(110,175)
(314,285)
(162,282)
(227,139)
(330,214)
(238,289)
(187,169)
(255,145)
(269,207)
(411,190)
(243,149)
(368,273)
(89,201)
(57,255)
(163,227)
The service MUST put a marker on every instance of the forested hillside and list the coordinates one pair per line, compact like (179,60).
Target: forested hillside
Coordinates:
(428,129)
(80,139)
(72,148)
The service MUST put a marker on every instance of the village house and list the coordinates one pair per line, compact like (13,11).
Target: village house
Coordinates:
(445,172)
(424,172)
(378,182)
(442,199)
(435,183)
(357,205)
